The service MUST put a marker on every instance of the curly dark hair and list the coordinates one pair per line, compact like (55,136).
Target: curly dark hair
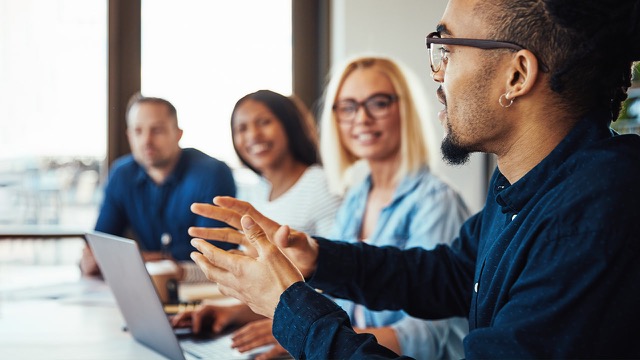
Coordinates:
(588,46)
(297,123)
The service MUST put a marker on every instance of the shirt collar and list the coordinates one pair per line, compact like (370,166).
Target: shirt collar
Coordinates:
(141,175)
(513,197)
(407,184)
(410,182)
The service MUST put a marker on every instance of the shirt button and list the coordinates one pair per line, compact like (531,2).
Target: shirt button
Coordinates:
(475,287)
(514,217)
(165,239)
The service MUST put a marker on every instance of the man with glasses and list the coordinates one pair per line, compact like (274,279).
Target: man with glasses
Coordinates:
(549,268)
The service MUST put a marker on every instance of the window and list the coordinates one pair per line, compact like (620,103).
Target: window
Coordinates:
(53,118)
(53,110)
(203,56)
(200,55)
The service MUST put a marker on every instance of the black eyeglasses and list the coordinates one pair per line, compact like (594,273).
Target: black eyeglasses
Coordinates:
(438,54)
(377,106)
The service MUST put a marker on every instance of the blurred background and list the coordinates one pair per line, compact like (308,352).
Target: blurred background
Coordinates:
(67,68)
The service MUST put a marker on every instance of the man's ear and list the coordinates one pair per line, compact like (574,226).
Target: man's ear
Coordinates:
(523,73)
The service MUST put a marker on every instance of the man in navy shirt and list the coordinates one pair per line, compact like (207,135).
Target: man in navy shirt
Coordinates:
(550,267)
(149,192)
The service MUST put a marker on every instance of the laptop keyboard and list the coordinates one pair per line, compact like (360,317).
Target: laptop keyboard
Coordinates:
(212,349)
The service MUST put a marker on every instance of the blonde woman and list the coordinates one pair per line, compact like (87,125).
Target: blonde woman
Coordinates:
(369,116)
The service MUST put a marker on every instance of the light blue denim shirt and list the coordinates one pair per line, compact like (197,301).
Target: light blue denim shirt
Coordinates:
(423,212)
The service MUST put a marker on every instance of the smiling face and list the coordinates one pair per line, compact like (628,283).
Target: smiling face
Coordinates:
(469,87)
(372,139)
(259,137)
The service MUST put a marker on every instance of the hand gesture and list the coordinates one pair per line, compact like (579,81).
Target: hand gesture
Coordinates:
(301,249)
(257,282)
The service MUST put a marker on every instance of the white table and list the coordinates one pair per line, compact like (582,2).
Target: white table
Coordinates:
(76,320)
(83,324)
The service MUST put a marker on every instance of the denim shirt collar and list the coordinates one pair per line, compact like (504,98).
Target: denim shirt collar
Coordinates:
(513,197)
(406,186)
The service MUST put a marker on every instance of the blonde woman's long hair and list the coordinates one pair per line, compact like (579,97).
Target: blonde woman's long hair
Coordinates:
(337,160)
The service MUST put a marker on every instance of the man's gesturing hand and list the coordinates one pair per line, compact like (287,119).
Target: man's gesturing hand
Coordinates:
(258,282)
(298,246)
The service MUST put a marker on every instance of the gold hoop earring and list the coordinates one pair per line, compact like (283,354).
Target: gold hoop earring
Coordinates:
(505,96)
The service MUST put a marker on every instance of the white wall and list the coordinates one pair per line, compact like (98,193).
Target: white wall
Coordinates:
(398,29)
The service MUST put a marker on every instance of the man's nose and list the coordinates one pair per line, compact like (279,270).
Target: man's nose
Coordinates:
(438,76)
(146,137)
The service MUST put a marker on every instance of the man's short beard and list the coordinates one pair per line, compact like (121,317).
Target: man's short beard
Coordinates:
(452,152)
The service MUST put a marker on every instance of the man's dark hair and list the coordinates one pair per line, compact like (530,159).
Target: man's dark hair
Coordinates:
(588,45)
(297,125)
(138,98)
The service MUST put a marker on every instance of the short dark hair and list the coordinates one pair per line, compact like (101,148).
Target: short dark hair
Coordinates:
(297,122)
(588,45)
(138,98)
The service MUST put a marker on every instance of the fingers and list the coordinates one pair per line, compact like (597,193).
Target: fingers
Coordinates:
(294,239)
(239,206)
(215,262)
(181,319)
(216,257)
(299,248)
(199,316)
(196,321)
(255,334)
(222,267)
(153,256)
(88,264)
(244,208)
(255,235)
(256,281)
(283,237)
(228,235)
(212,272)
(221,321)
(227,216)
(230,210)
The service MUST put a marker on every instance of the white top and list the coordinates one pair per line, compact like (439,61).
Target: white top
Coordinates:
(307,206)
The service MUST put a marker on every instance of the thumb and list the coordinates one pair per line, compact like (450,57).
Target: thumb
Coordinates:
(254,233)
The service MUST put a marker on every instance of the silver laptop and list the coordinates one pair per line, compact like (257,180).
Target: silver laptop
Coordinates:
(124,271)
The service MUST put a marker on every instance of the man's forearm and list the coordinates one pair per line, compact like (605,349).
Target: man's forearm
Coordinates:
(387,278)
